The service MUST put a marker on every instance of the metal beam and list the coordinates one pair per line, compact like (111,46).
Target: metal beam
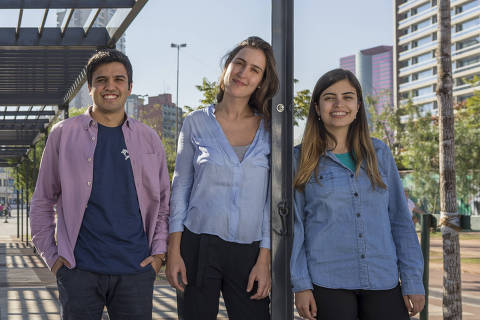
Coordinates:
(282,155)
(65,4)
(51,38)
(19,23)
(26,113)
(90,21)
(67,21)
(75,87)
(28,98)
(23,121)
(121,20)
(42,25)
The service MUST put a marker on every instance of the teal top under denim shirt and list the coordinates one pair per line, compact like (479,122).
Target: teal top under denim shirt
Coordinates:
(347,160)
(348,235)
(213,192)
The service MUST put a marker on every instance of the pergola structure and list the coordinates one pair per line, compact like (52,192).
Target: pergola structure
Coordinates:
(41,69)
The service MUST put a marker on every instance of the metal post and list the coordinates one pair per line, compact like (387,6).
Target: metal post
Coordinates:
(178,46)
(281,168)
(27,169)
(18,203)
(21,222)
(425,242)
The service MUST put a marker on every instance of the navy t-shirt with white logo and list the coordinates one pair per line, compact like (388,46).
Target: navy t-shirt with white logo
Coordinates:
(112,239)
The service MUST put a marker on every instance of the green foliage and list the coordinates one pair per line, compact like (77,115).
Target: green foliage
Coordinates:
(414,141)
(301,105)
(171,154)
(209,89)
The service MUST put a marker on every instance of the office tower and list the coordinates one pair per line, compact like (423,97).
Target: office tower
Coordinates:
(160,113)
(374,69)
(415,65)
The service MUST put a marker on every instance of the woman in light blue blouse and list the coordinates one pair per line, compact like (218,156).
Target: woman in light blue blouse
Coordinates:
(219,210)
(354,239)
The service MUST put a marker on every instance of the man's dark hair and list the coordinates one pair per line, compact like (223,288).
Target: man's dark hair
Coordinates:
(107,56)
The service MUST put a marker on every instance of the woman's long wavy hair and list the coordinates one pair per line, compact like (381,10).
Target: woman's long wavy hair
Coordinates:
(317,140)
(260,100)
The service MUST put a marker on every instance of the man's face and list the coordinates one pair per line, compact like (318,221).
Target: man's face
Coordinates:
(110,89)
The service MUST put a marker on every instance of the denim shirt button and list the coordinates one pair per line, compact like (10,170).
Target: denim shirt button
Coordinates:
(351,175)
(360,235)
(355,194)
(358,215)
(362,256)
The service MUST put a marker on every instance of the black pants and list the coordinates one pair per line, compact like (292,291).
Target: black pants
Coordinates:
(215,265)
(340,304)
(83,295)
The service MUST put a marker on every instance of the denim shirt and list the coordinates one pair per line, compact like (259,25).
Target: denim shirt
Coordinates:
(348,235)
(215,193)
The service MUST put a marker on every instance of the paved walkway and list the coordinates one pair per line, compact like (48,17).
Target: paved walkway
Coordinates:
(28,289)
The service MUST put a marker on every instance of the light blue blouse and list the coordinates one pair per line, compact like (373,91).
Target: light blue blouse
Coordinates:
(215,193)
(348,235)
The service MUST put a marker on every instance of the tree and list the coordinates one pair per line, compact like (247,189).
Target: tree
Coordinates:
(452,297)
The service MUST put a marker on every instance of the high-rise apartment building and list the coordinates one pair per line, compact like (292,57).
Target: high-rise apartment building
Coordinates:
(79,17)
(416,34)
(374,69)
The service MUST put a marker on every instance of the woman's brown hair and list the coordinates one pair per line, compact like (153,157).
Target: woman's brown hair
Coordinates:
(317,140)
(261,97)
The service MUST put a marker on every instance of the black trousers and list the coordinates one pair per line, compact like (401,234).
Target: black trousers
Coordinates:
(213,266)
(83,295)
(340,304)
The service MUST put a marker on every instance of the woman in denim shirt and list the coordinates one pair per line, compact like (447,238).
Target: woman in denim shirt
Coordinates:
(219,209)
(353,235)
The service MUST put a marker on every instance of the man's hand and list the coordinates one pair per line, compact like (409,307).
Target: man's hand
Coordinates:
(305,303)
(59,263)
(261,273)
(414,303)
(155,260)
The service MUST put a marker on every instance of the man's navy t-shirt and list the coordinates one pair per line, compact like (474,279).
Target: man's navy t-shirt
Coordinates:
(112,239)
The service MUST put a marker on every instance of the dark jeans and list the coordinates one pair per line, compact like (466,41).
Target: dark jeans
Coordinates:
(84,294)
(340,304)
(215,265)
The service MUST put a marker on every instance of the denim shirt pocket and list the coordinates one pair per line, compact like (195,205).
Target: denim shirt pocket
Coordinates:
(207,151)
(324,184)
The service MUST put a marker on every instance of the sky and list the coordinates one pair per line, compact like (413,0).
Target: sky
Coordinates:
(324,31)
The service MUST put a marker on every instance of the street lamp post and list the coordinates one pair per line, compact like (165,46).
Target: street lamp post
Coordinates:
(177,46)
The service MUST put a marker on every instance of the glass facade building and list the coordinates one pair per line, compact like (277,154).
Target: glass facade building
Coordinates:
(374,69)
(416,34)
